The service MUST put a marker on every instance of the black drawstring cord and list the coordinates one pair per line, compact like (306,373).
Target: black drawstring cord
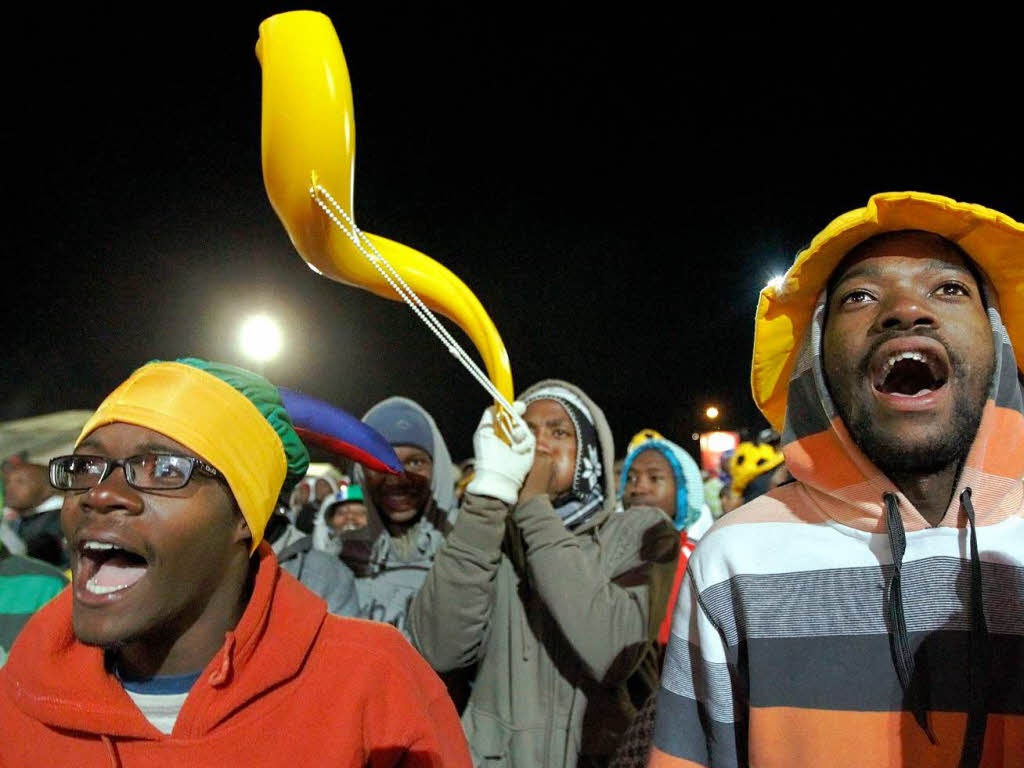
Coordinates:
(900,642)
(979,655)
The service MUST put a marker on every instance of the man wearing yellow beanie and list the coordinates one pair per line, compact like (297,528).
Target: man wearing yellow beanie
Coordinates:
(181,642)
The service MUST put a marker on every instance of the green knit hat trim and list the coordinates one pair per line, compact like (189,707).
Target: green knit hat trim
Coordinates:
(267,400)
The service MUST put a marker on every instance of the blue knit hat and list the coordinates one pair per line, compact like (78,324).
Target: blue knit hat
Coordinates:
(401,424)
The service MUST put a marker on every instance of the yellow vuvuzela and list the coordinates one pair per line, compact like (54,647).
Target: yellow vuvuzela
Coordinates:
(309,140)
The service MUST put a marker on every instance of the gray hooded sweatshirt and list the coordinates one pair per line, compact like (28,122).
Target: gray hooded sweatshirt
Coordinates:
(556,620)
(390,570)
(322,574)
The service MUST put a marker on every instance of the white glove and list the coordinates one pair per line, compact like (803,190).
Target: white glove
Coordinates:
(500,469)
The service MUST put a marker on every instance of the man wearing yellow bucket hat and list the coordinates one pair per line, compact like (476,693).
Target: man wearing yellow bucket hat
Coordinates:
(181,642)
(869,614)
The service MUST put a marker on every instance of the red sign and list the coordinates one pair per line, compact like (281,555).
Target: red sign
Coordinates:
(713,445)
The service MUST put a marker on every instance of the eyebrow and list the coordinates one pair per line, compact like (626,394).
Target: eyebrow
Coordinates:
(873,272)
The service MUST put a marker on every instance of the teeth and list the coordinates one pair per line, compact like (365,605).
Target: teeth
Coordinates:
(99,589)
(903,356)
(98,545)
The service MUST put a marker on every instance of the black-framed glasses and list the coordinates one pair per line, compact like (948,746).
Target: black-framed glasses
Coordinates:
(145,472)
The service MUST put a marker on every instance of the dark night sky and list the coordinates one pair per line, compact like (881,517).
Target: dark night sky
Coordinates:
(614,190)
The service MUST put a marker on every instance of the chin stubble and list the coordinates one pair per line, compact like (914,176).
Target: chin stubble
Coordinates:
(898,458)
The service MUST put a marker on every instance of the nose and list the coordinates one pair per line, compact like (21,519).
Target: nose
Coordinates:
(112,494)
(635,487)
(904,309)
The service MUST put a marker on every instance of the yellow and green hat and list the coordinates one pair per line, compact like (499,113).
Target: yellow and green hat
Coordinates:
(232,418)
(994,241)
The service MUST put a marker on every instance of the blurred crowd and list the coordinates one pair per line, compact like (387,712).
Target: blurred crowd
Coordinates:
(180,585)
(357,518)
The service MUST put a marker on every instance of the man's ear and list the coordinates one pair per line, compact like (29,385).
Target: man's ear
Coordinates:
(242,532)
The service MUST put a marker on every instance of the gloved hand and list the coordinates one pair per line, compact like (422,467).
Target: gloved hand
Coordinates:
(500,468)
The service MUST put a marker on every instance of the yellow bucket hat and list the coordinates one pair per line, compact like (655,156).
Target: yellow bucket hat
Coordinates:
(994,241)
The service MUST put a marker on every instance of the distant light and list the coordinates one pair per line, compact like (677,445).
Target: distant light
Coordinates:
(776,282)
(719,442)
(261,338)
(711,412)
(695,435)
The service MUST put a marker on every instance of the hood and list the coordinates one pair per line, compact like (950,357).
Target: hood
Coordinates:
(370,549)
(821,454)
(689,483)
(309,482)
(54,679)
(604,437)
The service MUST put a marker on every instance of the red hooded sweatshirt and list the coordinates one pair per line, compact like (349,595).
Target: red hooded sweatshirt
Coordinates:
(291,686)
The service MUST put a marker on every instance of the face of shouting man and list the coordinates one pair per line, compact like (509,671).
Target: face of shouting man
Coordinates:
(157,574)
(908,353)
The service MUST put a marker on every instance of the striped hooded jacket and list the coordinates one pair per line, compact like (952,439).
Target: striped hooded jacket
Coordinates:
(827,623)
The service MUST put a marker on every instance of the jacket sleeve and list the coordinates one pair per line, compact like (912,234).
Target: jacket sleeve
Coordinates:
(450,616)
(608,619)
(341,591)
(701,713)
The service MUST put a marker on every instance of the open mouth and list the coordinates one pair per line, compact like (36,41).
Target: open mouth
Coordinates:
(347,526)
(105,568)
(912,373)
(406,490)
(399,498)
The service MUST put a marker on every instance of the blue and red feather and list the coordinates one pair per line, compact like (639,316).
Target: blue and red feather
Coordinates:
(334,430)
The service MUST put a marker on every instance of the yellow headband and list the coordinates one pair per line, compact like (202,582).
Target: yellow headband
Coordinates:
(211,418)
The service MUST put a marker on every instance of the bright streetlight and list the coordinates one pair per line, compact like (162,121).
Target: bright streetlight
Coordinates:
(260,338)
(711,412)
